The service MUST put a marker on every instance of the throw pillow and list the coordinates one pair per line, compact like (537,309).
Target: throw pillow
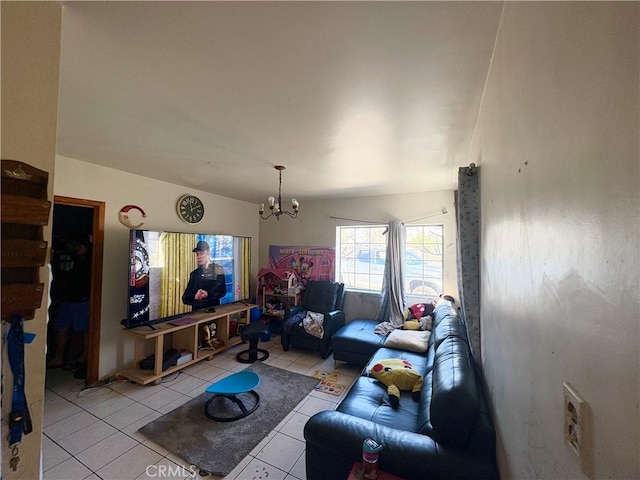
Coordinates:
(410,340)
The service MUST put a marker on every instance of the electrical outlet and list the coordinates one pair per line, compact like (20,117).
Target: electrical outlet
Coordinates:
(575,426)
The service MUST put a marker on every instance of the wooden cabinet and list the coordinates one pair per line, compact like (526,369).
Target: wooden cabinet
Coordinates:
(25,210)
(183,334)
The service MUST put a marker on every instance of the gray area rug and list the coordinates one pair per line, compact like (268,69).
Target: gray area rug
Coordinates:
(218,447)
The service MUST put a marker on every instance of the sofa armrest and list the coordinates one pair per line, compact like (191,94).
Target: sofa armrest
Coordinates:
(336,438)
(333,321)
(287,324)
(334,443)
(291,311)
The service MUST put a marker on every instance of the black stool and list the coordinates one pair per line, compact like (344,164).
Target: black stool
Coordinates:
(252,332)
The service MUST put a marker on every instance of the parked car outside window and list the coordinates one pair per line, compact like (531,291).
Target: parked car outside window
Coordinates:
(361,252)
(421,277)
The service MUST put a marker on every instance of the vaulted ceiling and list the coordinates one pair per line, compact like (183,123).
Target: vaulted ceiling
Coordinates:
(354,98)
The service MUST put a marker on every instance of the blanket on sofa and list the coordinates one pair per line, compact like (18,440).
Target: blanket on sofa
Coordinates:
(312,322)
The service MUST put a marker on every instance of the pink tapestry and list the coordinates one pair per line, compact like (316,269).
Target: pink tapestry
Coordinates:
(310,263)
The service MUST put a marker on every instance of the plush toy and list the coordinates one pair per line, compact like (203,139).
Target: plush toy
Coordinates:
(208,335)
(423,323)
(420,310)
(397,375)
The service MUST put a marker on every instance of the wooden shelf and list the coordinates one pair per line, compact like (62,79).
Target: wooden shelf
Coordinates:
(282,298)
(280,295)
(24,211)
(182,337)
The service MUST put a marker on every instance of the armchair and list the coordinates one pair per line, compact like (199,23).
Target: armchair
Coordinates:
(320,297)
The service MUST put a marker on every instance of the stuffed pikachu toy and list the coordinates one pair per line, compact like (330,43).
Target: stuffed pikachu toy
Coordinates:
(397,375)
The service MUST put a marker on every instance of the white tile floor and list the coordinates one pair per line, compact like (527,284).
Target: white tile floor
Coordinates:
(92,433)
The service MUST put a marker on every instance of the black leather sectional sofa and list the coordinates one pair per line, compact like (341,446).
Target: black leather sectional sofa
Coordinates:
(448,434)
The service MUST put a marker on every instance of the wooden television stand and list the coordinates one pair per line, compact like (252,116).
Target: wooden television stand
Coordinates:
(182,337)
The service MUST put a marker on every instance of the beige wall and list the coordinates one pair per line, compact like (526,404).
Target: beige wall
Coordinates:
(158,200)
(316,227)
(558,148)
(30,59)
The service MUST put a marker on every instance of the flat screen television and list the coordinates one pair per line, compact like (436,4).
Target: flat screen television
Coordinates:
(173,273)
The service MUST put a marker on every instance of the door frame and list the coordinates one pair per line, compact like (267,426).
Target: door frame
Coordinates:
(95,302)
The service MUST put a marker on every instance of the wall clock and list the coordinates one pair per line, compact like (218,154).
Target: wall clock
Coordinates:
(190,208)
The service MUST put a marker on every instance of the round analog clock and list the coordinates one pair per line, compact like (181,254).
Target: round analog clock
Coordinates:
(190,208)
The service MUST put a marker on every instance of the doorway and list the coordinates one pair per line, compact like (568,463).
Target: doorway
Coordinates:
(74,219)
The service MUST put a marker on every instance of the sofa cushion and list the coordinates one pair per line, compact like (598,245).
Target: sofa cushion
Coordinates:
(455,397)
(423,425)
(357,341)
(412,340)
(418,360)
(443,311)
(368,399)
(449,326)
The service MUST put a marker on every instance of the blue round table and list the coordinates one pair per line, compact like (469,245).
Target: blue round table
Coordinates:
(230,387)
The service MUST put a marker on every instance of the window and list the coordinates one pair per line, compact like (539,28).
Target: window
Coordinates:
(361,253)
(424,269)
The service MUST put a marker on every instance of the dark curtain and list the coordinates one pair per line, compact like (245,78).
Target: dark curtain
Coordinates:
(467,200)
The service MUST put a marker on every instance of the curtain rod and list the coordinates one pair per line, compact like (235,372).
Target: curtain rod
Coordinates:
(357,220)
(442,211)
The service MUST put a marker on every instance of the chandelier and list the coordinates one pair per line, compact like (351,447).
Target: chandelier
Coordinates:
(275,205)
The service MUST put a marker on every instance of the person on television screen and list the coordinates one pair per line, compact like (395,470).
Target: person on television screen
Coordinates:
(206,283)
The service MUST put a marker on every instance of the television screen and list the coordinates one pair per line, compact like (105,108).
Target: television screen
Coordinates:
(172,274)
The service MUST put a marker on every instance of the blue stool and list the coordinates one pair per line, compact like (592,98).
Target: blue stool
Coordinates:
(230,387)
(253,332)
